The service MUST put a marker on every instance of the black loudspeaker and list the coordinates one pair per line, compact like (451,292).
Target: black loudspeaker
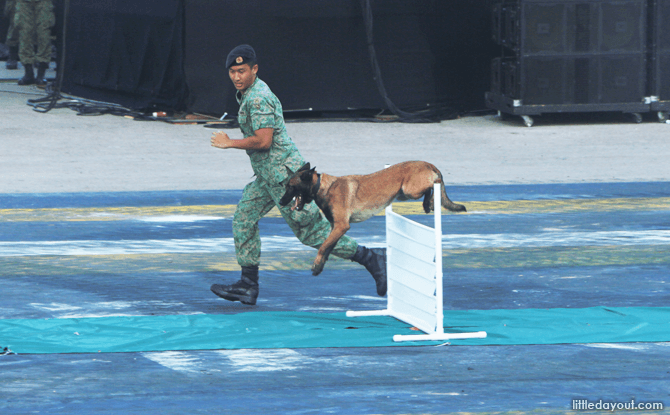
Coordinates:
(660,71)
(662,76)
(547,80)
(504,29)
(496,76)
(572,52)
(581,27)
(575,79)
(622,78)
(661,16)
(545,28)
(497,23)
(623,26)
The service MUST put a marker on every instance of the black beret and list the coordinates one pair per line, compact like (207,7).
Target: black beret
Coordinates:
(240,55)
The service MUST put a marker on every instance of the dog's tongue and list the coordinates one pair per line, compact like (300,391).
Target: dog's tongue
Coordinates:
(298,201)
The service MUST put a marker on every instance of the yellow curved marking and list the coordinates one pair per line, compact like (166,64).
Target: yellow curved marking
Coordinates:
(485,258)
(403,208)
(569,205)
(112,213)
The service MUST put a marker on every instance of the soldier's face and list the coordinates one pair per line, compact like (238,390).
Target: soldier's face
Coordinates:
(242,76)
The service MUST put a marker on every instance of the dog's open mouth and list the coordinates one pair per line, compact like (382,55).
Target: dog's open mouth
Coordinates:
(298,204)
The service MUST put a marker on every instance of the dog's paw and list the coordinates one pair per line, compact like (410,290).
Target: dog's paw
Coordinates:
(317,268)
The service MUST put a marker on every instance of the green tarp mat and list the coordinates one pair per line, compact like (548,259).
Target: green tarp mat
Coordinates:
(301,330)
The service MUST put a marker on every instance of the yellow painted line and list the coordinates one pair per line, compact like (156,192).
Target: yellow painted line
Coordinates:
(570,205)
(146,263)
(403,208)
(482,258)
(579,256)
(112,213)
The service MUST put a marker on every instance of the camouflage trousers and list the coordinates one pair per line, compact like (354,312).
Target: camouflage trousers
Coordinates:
(34,20)
(12,31)
(308,225)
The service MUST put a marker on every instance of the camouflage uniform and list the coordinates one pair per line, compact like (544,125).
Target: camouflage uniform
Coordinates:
(13,31)
(260,108)
(34,19)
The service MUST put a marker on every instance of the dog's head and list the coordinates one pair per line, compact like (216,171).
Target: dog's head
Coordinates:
(299,187)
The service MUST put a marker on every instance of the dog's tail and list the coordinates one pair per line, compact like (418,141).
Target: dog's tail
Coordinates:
(446,202)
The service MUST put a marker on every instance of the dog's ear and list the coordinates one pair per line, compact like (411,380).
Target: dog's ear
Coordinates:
(305,167)
(306,176)
(290,173)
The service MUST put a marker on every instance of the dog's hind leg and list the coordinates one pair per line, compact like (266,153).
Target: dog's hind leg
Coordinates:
(428,200)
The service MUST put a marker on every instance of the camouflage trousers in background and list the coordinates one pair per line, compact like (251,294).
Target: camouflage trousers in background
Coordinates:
(308,225)
(34,19)
(12,31)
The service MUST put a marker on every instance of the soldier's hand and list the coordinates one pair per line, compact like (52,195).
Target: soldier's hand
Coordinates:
(221,140)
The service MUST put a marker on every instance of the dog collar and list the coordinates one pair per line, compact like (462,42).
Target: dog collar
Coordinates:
(316,187)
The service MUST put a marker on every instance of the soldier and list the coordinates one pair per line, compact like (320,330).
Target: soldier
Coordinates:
(272,154)
(34,18)
(12,36)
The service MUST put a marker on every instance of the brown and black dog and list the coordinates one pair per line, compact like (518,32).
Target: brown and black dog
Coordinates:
(350,199)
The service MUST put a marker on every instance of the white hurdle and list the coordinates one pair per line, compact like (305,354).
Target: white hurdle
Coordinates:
(414,277)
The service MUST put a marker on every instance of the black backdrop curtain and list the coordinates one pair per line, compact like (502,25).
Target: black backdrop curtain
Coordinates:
(129,52)
(313,53)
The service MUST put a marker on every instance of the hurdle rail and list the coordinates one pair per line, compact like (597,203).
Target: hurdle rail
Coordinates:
(414,277)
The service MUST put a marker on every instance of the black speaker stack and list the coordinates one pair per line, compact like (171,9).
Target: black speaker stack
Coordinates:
(660,56)
(581,56)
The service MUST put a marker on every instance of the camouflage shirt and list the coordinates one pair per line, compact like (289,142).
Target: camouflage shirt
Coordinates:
(260,108)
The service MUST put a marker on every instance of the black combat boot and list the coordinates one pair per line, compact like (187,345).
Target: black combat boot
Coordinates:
(12,60)
(374,260)
(40,79)
(245,290)
(29,77)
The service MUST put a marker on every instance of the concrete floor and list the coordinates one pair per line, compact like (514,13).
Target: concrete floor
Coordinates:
(62,152)
(79,171)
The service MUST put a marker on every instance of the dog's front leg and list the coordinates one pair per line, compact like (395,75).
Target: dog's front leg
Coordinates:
(339,229)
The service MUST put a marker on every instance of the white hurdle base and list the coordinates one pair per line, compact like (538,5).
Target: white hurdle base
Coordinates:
(419,337)
(438,336)
(414,277)
(368,313)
